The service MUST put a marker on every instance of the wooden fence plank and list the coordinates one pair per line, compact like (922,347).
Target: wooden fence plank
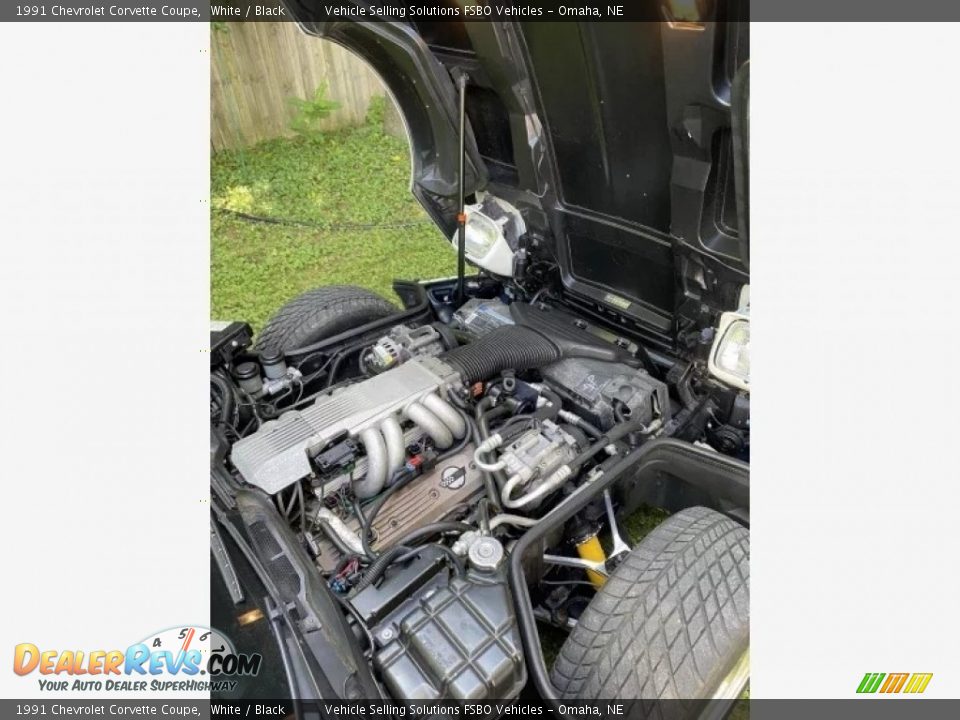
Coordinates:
(257,67)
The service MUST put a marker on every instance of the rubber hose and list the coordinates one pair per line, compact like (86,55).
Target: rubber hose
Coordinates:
(451,556)
(425,531)
(483,515)
(592,430)
(510,519)
(447,414)
(376,476)
(685,389)
(511,347)
(335,368)
(552,408)
(228,404)
(367,522)
(589,428)
(396,450)
(485,403)
(450,452)
(490,415)
(368,553)
(614,434)
(430,424)
(499,478)
(379,566)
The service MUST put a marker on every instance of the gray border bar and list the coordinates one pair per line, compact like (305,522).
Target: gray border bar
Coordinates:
(874,708)
(503,10)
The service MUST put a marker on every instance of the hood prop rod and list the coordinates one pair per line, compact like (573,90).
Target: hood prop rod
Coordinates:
(461,214)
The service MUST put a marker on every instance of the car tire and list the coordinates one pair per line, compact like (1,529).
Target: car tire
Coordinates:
(672,621)
(319,314)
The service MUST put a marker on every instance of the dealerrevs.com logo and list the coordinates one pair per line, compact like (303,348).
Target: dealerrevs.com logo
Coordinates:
(893,683)
(182,659)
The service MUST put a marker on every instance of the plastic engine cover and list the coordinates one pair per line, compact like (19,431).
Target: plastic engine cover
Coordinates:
(597,387)
(460,643)
(278,454)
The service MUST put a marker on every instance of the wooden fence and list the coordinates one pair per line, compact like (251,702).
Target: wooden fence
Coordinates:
(255,67)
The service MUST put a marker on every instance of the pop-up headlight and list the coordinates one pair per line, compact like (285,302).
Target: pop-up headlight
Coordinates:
(493,227)
(730,355)
(482,233)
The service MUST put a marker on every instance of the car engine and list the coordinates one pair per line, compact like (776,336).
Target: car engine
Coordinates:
(362,436)
(407,479)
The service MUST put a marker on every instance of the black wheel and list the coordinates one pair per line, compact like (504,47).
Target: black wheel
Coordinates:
(671,623)
(321,313)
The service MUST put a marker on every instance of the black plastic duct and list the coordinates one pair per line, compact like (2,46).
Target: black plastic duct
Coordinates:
(511,347)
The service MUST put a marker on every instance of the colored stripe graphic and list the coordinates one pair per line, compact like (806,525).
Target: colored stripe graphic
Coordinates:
(893,683)
(918,682)
(870,682)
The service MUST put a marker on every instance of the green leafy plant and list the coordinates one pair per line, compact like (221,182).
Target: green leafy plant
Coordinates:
(376,110)
(309,113)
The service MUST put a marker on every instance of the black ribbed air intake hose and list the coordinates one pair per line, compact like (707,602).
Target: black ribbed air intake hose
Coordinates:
(512,347)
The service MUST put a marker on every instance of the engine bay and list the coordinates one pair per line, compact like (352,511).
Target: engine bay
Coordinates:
(409,460)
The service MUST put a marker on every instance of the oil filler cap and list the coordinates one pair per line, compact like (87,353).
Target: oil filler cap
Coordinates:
(485,554)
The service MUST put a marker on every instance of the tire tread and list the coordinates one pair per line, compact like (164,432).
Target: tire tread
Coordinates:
(321,312)
(671,618)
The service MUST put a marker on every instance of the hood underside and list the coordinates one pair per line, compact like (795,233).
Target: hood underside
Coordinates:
(624,145)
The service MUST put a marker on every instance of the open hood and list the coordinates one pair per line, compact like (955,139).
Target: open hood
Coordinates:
(624,145)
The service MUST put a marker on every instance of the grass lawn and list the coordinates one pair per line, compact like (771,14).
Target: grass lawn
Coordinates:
(350,187)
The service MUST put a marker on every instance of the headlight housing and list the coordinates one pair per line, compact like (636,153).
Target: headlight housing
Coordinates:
(493,229)
(482,234)
(730,355)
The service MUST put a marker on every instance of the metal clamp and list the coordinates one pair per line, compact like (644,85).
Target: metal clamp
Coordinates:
(619,546)
(565,561)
